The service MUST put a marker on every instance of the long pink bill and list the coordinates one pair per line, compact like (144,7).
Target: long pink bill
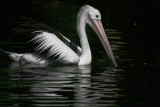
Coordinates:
(97,26)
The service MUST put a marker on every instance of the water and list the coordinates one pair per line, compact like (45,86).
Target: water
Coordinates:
(134,83)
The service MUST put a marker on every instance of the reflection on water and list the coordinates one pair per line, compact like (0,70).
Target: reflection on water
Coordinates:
(65,86)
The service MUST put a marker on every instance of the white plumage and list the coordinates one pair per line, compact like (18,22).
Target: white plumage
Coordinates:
(55,47)
(61,49)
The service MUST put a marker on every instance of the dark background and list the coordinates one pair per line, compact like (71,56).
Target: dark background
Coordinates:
(138,17)
(137,49)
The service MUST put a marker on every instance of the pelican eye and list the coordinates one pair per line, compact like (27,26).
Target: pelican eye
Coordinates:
(97,16)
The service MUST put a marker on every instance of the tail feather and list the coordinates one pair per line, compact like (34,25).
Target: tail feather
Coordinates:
(6,52)
(25,58)
(13,56)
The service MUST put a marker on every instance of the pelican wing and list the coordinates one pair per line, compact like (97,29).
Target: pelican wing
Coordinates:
(33,27)
(55,48)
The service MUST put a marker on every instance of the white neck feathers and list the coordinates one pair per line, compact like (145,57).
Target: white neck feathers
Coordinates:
(85,57)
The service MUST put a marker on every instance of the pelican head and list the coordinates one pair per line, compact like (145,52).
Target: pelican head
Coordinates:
(92,16)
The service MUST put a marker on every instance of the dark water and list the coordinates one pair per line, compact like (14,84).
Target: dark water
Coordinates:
(132,31)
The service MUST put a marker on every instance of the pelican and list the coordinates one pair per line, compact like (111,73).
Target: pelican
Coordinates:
(60,49)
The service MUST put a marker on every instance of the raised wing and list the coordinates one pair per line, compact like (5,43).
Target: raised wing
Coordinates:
(31,27)
(55,47)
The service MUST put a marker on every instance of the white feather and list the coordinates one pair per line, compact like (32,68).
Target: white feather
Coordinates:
(56,47)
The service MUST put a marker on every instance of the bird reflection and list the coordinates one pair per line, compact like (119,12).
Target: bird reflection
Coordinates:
(56,83)
(66,85)
(82,89)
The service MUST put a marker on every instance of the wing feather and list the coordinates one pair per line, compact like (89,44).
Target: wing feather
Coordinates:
(28,25)
(55,47)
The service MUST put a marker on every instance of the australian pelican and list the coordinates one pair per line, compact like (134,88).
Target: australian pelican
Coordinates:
(61,49)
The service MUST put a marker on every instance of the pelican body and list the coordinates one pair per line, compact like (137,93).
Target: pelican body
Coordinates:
(60,49)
